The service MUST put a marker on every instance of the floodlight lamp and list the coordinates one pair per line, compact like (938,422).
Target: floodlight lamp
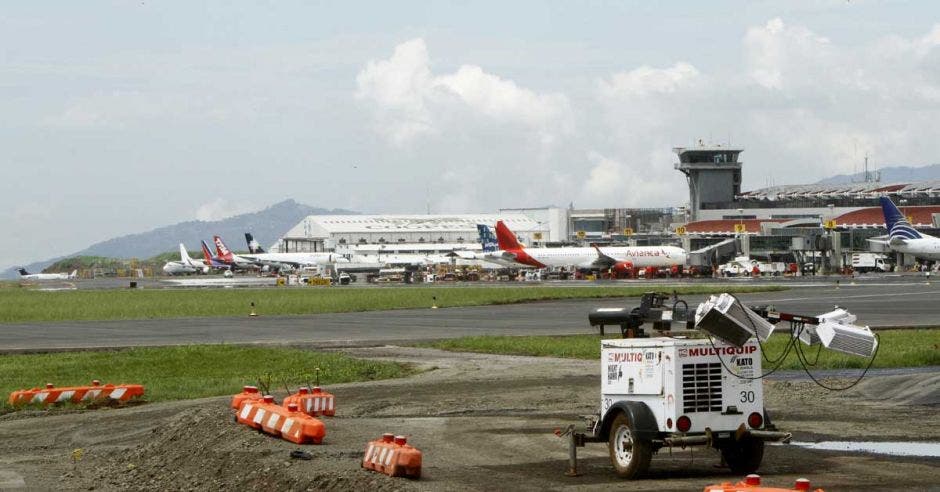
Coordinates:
(728,320)
(847,338)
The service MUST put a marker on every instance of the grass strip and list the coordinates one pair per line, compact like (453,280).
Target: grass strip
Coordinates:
(898,348)
(21,305)
(192,371)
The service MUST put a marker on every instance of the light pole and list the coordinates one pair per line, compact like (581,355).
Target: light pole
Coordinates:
(826,253)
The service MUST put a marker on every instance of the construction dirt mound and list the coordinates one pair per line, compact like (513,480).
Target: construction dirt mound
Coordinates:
(913,389)
(202,448)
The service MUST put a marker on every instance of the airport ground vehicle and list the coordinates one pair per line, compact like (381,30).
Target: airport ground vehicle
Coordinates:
(667,392)
(870,262)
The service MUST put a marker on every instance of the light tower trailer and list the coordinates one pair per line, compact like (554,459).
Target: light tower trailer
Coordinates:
(659,392)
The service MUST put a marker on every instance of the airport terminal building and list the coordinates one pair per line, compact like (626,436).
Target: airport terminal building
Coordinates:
(437,233)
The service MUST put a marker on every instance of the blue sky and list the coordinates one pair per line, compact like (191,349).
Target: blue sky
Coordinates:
(124,116)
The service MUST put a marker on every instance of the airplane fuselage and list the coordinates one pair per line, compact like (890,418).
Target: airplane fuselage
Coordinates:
(581,257)
(925,248)
(45,276)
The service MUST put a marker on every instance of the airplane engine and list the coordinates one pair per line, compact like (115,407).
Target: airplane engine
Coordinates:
(227,274)
(205,270)
(623,267)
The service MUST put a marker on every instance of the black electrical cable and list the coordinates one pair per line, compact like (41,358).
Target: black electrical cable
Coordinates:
(762,376)
(818,351)
(800,356)
(795,332)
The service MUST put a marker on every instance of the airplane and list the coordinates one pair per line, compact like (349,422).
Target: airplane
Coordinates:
(186,264)
(24,275)
(226,256)
(216,262)
(620,259)
(279,261)
(903,238)
(490,250)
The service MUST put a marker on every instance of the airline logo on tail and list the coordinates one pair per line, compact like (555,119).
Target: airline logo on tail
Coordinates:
(487,238)
(253,246)
(506,239)
(220,248)
(897,225)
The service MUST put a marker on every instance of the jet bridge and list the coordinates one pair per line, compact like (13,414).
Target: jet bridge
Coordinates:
(714,254)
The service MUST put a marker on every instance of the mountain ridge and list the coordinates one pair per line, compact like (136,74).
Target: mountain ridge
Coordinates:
(266,225)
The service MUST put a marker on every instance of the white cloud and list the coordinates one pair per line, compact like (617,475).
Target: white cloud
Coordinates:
(219,209)
(805,108)
(648,80)
(409,101)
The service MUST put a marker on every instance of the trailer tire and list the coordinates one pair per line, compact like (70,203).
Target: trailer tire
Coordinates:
(629,455)
(744,456)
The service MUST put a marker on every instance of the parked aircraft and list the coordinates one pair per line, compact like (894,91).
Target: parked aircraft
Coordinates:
(903,238)
(214,261)
(490,250)
(619,258)
(226,256)
(186,264)
(24,275)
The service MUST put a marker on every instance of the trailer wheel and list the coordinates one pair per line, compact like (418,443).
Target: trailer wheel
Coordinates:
(744,456)
(629,455)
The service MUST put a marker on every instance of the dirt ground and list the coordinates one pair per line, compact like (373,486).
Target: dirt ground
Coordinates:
(484,422)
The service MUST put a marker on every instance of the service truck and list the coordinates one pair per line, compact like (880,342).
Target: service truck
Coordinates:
(870,262)
(675,392)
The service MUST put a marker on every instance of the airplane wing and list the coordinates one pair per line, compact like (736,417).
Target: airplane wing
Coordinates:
(603,260)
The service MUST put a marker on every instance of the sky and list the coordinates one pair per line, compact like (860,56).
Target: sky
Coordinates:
(119,117)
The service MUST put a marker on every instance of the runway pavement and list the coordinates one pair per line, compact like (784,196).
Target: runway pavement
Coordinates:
(878,304)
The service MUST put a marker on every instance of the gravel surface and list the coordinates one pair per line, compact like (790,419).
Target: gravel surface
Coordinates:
(484,422)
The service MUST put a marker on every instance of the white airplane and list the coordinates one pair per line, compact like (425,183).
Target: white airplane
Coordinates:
(903,238)
(620,259)
(24,275)
(186,264)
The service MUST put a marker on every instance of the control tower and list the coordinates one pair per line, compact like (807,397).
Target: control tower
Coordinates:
(714,175)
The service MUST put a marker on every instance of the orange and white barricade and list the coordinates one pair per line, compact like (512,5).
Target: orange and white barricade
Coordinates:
(77,394)
(752,483)
(316,402)
(393,456)
(288,423)
(248,393)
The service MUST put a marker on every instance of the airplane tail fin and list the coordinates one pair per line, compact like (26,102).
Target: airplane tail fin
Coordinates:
(74,274)
(206,253)
(897,225)
(184,255)
(220,248)
(253,246)
(505,238)
(22,272)
(487,238)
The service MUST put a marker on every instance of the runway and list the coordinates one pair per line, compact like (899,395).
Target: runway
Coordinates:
(876,304)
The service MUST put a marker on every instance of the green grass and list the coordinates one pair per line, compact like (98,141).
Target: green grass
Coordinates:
(21,305)
(194,371)
(898,348)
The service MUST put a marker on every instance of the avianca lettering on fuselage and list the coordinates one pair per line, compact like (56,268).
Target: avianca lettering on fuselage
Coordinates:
(596,258)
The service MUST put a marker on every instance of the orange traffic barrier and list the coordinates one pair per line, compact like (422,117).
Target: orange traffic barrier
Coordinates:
(248,393)
(251,412)
(316,402)
(393,456)
(288,423)
(77,394)
(752,483)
